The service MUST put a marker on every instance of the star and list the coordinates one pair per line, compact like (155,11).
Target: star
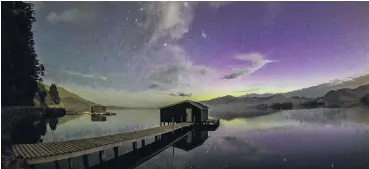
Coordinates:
(203,34)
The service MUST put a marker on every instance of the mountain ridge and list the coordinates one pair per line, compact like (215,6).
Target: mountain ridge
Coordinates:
(321,89)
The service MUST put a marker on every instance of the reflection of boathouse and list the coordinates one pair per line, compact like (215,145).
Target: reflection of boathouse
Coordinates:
(185,111)
(194,139)
(98,117)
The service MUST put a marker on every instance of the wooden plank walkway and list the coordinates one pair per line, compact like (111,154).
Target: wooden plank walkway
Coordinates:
(53,151)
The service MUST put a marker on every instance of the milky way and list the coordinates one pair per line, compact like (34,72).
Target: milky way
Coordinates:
(126,53)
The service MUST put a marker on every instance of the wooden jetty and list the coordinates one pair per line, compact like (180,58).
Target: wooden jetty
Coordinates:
(54,151)
(141,155)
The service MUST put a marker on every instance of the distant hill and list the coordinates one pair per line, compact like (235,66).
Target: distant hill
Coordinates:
(70,101)
(320,90)
(346,97)
(124,108)
(221,100)
(259,95)
(254,101)
(338,93)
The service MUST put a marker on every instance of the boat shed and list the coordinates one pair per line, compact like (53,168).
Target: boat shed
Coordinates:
(185,111)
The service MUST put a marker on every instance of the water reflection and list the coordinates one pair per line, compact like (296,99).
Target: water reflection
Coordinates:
(32,129)
(314,138)
(182,139)
(192,140)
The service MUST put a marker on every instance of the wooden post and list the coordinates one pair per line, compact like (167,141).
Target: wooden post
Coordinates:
(156,138)
(194,119)
(70,163)
(85,161)
(115,152)
(143,143)
(173,125)
(134,144)
(101,156)
(57,164)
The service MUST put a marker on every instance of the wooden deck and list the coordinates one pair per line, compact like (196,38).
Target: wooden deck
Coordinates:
(48,152)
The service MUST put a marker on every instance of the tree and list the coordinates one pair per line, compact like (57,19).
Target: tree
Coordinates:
(20,68)
(42,93)
(54,94)
(365,99)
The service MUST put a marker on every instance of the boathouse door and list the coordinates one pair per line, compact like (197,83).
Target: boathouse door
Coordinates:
(188,115)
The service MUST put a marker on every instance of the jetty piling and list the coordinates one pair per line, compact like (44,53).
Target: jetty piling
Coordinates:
(143,143)
(116,152)
(85,161)
(70,164)
(101,156)
(134,144)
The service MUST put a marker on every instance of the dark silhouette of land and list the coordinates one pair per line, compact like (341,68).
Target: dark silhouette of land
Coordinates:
(20,67)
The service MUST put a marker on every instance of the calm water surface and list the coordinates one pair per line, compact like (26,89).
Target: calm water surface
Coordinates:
(316,138)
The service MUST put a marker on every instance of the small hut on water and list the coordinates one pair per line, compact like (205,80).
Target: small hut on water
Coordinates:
(98,109)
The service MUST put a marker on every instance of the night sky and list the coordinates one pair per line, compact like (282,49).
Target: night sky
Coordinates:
(153,53)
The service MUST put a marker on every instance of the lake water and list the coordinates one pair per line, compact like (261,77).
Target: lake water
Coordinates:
(315,138)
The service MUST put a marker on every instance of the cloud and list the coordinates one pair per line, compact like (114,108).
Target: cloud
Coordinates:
(218,4)
(258,61)
(172,19)
(153,86)
(65,16)
(173,68)
(181,94)
(249,90)
(85,75)
(237,74)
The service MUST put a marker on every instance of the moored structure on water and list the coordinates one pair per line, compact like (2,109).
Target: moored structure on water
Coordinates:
(184,111)
(98,109)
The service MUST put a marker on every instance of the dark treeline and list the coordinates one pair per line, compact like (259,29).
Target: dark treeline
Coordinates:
(54,94)
(20,68)
(21,72)
(312,104)
(262,106)
(365,100)
(282,106)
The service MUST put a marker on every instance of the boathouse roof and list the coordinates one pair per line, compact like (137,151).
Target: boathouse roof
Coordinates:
(196,104)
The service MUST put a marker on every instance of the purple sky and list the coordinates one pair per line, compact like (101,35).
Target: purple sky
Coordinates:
(129,50)
(312,39)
